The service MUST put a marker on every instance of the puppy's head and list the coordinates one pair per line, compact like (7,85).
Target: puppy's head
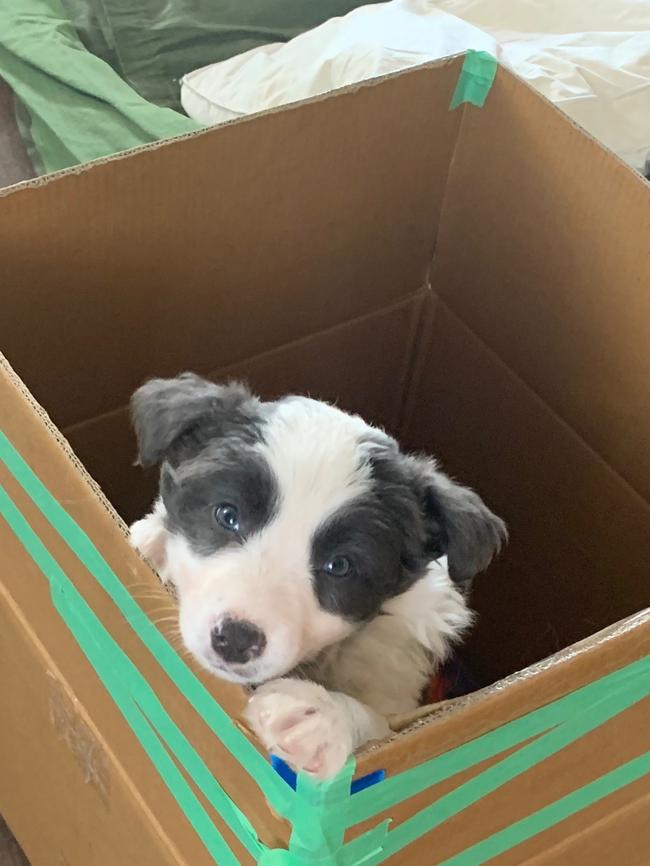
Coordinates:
(286,525)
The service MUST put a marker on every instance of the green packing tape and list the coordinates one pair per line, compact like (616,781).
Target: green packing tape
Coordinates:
(319,817)
(279,794)
(365,847)
(569,719)
(319,821)
(320,813)
(475,80)
(136,701)
(552,814)
(628,683)
(634,688)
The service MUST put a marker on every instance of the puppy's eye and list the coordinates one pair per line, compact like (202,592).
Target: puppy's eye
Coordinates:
(338,566)
(227,516)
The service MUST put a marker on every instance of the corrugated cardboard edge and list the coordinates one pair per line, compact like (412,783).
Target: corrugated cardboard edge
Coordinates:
(61,441)
(408,722)
(423,736)
(69,717)
(66,448)
(34,183)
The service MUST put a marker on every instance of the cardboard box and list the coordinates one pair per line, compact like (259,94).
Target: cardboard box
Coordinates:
(475,280)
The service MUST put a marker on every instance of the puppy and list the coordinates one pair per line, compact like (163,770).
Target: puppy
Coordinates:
(313,561)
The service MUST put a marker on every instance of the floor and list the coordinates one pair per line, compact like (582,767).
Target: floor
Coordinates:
(10,853)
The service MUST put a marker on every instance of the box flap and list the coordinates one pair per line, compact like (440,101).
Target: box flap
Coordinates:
(544,252)
(203,252)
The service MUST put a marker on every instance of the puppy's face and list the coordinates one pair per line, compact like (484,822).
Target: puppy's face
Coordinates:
(285,525)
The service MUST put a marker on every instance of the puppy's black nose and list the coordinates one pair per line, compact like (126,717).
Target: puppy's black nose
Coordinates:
(237,641)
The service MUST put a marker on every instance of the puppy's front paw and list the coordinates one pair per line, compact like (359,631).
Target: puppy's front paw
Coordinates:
(302,723)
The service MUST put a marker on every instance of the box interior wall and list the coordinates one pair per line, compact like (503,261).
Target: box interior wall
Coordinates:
(447,274)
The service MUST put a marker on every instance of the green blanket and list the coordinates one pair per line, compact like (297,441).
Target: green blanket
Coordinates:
(74,107)
(153,43)
(94,77)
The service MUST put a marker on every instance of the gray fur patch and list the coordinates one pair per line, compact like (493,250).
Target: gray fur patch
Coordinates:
(459,524)
(413,515)
(225,472)
(175,418)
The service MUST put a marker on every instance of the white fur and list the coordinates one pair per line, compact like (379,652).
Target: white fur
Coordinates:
(312,728)
(389,662)
(380,670)
(360,674)
(150,538)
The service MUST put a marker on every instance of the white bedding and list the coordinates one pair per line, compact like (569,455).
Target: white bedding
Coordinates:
(591,57)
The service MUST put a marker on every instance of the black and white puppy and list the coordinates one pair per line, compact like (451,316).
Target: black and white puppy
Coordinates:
(311,559)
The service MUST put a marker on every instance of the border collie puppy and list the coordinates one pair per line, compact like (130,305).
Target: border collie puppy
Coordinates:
(313,561)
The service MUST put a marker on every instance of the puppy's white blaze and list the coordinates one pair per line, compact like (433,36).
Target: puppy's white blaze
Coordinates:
(314,451)
(246,583)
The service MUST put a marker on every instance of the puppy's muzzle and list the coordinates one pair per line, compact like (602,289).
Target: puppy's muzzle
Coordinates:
(237,641)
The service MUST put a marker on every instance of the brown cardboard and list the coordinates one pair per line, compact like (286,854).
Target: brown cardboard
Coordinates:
(39,651)
(341,232)
(610,836)
(477,282)
(568,511)
(367,364)
(562,256)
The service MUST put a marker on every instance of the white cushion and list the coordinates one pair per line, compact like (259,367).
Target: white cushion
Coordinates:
(591,57)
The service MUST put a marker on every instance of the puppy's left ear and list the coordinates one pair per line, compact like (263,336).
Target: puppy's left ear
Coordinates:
(187,410)
(458,523)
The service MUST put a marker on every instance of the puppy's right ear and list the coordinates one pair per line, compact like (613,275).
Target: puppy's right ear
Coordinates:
(457,522)
(168,414)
